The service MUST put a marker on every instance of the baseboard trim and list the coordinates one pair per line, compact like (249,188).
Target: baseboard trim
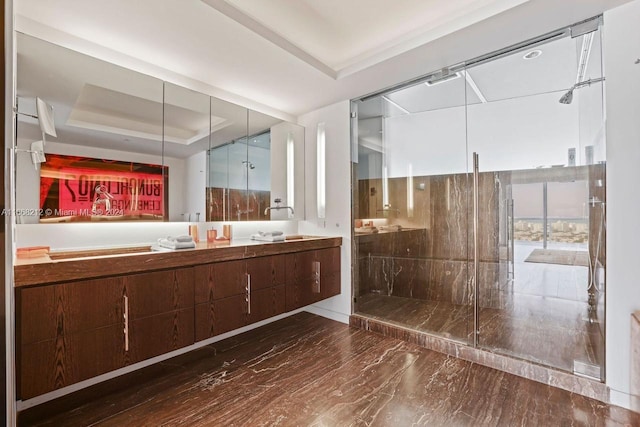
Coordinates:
(329,314)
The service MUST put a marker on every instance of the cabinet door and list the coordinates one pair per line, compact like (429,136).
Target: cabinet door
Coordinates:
(266,272)
(51,310)
(329,272)
(266,302)
(161,312)
(48,365)
(302,287)
(159,292)
(67,333)
(229,314)
(216,282)
(300,280)
(267,278)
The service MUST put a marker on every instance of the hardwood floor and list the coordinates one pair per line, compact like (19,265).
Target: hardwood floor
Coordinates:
(307,370)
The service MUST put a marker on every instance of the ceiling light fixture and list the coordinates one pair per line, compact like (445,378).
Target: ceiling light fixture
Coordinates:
(532,55)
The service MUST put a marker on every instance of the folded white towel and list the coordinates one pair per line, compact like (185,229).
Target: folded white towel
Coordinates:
(261,238)
(183,238)
(270,233)
(170,244)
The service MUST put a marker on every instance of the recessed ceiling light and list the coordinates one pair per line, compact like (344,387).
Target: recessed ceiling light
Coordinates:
(533,54)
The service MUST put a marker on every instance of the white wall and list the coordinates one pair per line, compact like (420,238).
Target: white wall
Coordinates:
(621,50)
(519,133)
(279,139)
(338,196)
(195,183)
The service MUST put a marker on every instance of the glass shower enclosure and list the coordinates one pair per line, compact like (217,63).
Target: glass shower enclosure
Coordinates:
(479,202)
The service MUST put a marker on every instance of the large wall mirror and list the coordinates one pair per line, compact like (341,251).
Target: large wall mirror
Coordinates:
(130,147)
(256,166)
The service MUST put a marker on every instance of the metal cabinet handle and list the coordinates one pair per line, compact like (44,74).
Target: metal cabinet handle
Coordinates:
(126,323)
(316,277)
(248,289)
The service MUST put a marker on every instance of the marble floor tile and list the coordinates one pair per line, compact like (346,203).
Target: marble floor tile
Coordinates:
(309,371)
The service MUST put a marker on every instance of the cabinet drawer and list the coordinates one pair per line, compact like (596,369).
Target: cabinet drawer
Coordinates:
(220,280)
(45,312)
(159,292)
(267,302)
(52,364)
(229,314)
(156,335)
(266,271)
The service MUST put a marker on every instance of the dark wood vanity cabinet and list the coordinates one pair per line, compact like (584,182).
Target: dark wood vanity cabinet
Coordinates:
(312,276)
(69,332)
(233,294)
(73,330)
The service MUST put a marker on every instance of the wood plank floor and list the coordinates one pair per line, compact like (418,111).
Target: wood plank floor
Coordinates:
(307,370)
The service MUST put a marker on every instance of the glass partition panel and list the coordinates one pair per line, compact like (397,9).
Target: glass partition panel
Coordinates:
(412,195)
(539,135)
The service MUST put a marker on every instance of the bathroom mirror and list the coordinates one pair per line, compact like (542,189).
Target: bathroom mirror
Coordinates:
(259,162)
(130,147)
(104,159)
(186,139)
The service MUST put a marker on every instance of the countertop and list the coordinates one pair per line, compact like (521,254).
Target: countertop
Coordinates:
(35,271)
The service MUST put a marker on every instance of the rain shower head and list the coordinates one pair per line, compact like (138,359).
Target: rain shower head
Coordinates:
(567,98)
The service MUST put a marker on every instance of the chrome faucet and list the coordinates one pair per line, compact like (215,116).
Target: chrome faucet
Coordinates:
(277,207)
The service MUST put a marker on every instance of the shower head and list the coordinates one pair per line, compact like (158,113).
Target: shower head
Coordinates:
(567,97)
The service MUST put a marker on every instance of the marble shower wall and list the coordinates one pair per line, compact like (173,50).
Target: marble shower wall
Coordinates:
(240,205)
(429,257)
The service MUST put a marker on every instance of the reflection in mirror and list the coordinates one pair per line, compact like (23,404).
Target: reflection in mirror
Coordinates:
(227,149)
(253,176)
(186,136)
(104,159)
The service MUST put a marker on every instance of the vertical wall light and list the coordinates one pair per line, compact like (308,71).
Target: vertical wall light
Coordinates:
(320,171)
(290,173)
(385,170)
(410,191)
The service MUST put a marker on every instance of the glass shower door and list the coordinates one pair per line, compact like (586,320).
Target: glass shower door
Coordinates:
(413,212)
(539,137)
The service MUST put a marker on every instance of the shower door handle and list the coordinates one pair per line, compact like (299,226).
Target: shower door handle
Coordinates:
(476,212)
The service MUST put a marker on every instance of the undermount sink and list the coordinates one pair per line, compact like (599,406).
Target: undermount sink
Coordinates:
(98,252)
